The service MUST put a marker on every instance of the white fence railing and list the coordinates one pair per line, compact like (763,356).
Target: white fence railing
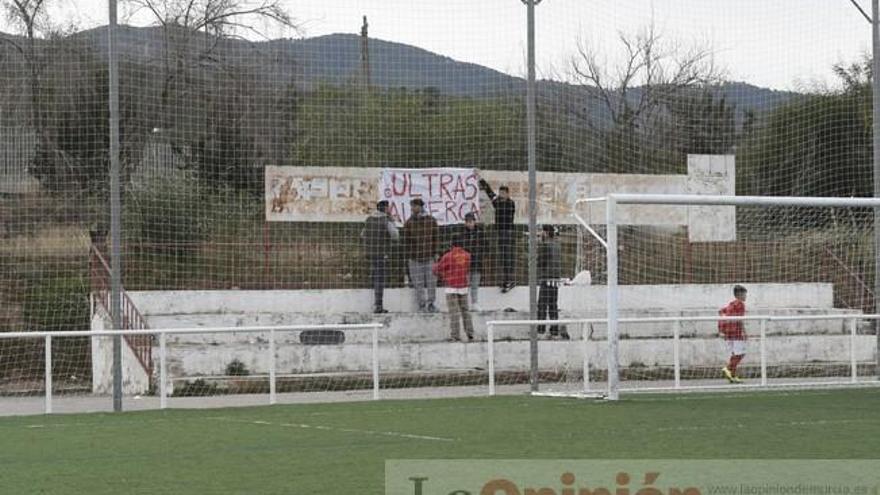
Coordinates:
(583,342)
(163,352)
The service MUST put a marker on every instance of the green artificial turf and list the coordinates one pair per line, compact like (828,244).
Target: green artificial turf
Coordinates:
(341,447)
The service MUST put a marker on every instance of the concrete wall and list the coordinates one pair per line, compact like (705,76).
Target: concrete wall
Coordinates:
(295,359)
(573,300)
(415,327)
(134,378)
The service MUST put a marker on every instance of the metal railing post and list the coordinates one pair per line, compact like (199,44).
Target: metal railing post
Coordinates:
(490,343)
(763,352)
(676,352)
(585,337)
(375,351)
(272,396)
(163,385)
(48,363)
(854,369)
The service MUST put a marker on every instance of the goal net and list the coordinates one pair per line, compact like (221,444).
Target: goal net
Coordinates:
(664,296)
(257,138)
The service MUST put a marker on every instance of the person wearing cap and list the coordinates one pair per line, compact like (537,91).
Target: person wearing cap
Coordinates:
(549,280)
(378,234)
(472,242)
(421,236)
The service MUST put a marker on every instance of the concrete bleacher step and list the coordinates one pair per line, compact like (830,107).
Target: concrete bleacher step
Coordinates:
(200,360)
(572,299)
(434,327)
(398,327)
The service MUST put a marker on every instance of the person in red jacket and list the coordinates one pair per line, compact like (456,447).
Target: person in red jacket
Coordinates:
(453,268)
(733,332)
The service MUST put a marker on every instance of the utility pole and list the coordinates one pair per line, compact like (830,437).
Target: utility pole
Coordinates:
(115,211)
(365,55)
(533,186)
(874,19)
(875,90)
(365,84)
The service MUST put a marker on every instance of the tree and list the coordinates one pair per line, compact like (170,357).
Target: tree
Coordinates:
(638,94)
(72,154)
(66,108)
(818,144)
(856,80)
(207,97)
(700,122)
(223,156)
(408,128)
(193,30)
(222,17)
(30,18)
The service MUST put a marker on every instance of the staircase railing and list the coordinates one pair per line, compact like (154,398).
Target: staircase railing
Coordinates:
(132,319)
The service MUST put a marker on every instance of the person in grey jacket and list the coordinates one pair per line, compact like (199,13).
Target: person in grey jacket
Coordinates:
(472,239)
(378,234)
(549,278)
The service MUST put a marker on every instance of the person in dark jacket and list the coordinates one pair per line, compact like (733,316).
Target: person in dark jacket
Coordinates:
(378,234)
(421,235)
(549,280)
(472,242)
(505,211)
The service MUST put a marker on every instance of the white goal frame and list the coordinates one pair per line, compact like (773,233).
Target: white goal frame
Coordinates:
(587,389)
(610,243)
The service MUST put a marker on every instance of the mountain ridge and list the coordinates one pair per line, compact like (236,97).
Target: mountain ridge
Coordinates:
(335,59)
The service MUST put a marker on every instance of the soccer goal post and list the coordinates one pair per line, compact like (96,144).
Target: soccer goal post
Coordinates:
(671,263)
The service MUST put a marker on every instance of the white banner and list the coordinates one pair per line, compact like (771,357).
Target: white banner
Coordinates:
(448,193)
(349,194)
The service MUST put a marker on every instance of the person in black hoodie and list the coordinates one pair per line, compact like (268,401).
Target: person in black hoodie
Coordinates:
(472,242)
(378,234)
(505,210)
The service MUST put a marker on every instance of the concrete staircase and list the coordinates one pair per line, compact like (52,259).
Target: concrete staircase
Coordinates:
(414,344)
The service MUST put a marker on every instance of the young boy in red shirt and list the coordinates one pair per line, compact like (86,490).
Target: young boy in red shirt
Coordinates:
(453,268)
(733,332)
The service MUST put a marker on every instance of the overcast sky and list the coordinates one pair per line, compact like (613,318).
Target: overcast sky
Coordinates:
(784,44)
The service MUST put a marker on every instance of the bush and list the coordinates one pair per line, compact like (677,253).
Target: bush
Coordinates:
(168,214)
(57,303)
(236,368)
(197,388)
